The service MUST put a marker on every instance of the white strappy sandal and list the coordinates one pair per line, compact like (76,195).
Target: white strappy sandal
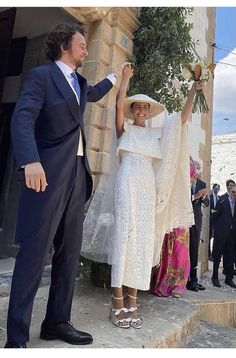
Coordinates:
(134,322)
(114,312)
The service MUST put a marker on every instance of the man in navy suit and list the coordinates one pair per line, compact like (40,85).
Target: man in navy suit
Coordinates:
(230,183)
(49,147)
(214,197)
(224,217)
(199,198)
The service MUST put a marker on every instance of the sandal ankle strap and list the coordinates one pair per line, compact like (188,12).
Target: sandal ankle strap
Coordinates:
(134,297)
(117,298)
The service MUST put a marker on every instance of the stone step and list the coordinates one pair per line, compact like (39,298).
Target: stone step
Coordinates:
(167,322)
(210,335)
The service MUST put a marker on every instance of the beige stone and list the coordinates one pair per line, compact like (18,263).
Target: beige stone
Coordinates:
(205,150)
(121,40)
(223,313)
(88,14)
(98,161)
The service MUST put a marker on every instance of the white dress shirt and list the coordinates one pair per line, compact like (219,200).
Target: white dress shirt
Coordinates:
(66,70)
(215,199)
(232,205)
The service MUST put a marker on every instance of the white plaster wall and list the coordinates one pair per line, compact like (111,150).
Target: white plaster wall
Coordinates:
(223,159)
(196,133)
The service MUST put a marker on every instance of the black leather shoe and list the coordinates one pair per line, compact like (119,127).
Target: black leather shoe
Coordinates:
(200,287)
(215,282)
(64,331)
(15,345)
(230,282)
(193,288)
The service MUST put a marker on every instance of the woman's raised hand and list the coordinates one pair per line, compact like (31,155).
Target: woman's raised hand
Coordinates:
(119,70)
(199,85)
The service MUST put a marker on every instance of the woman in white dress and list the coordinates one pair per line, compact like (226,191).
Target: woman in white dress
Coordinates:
(135,199)
(144,203)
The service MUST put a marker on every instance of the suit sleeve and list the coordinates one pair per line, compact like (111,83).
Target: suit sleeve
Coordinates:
(95,93)
(217,211)
(26,111)
(205,201)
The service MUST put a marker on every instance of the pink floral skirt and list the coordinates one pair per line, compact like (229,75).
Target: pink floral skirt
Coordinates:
(171,275)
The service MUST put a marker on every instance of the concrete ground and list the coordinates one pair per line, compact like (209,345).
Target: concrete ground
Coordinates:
(203,319)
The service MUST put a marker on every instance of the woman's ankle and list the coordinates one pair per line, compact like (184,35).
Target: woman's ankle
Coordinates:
(117,302)
(130,301)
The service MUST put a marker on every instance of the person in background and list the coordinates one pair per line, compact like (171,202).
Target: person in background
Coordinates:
(229,184)
(214,197)
(171,275)
(199,198)
(224,217)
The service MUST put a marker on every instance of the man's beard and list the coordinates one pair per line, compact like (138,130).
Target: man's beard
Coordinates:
(79,64)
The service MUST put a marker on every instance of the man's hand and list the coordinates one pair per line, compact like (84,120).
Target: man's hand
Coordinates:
(119,70)
(201,194)
(35,177)
(127,71)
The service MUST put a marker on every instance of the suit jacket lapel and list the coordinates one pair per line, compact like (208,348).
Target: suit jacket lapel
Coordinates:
(83,91)
(66,91)
(229,207)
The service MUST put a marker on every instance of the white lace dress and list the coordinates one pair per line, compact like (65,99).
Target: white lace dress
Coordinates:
(135,203)
(134,207)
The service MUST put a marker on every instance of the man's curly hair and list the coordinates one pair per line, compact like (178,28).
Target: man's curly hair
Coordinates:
(61,35)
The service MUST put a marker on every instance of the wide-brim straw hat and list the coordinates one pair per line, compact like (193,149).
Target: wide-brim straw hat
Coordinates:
(155,107)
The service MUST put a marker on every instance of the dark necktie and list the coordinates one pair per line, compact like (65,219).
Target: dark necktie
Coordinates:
(75,83)
(232,205)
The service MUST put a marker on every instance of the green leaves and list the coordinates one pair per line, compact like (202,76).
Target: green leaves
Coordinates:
(161,44)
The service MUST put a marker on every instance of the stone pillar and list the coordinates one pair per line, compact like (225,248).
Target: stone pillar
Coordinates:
(205,151)
(109,42)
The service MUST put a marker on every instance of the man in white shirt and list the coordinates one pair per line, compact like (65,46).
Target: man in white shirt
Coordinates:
(49,148)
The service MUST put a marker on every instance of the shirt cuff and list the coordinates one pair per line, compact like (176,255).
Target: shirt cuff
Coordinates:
(112,77)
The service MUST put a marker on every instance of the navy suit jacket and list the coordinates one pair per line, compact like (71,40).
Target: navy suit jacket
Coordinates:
(224,222)
(46,121)
(212,207)
(197,205)
(224,196)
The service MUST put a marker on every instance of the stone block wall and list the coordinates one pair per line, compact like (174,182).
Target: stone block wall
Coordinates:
(109,42)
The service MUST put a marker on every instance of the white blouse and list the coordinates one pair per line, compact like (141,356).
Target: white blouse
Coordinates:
(140,140)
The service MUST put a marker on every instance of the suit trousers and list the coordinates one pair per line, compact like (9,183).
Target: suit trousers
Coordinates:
(224,246)
(211,235)
(194,240)
(65,233)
